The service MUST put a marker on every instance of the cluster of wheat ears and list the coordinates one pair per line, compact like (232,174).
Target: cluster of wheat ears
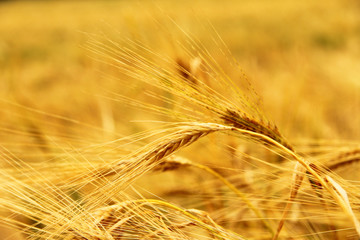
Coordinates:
(82,194)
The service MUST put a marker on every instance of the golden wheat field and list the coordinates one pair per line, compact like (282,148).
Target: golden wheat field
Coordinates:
(180,120)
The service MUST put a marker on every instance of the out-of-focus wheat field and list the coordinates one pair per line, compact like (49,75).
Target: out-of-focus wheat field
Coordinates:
(303,54)
(59,98)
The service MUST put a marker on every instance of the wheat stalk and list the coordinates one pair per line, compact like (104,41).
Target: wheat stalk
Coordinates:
(246,121)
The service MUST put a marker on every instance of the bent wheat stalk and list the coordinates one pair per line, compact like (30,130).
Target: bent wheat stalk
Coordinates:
(246,121)
(193,132)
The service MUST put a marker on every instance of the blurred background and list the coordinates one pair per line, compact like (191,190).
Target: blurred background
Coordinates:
(302,56)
